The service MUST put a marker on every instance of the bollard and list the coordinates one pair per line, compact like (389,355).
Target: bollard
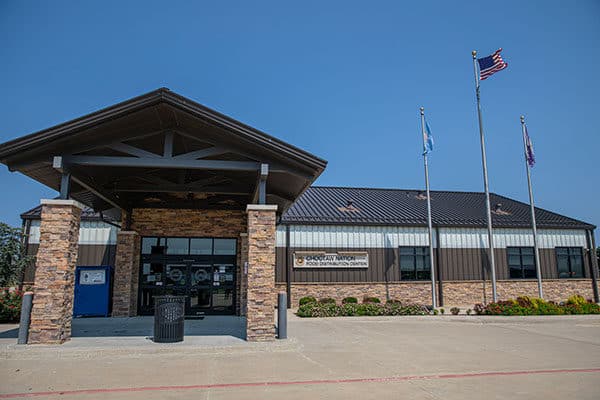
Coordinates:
(25,317)
(282,315)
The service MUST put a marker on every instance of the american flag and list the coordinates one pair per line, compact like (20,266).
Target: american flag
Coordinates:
(491,64)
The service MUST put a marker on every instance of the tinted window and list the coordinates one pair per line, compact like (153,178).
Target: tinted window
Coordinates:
(201,246)
(415,263)
(521,262)
(224,247)
(569,261)
(178,246)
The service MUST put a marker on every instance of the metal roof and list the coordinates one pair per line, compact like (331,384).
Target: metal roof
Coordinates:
(370,206)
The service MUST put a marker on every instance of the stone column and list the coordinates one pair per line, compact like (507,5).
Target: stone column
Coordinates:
(127,268)
(53,290)
(261,297)
(242,286)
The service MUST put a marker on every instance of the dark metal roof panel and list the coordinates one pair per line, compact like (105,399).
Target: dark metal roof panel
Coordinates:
(329,205)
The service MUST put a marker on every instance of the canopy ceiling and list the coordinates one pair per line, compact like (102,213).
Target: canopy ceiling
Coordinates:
(163,150)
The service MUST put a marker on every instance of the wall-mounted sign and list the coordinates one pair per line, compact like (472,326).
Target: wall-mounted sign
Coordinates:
(92,277)
(346,259)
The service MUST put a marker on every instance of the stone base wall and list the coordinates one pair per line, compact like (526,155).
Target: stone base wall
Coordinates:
(54,273)
(413,292)
(125,287)
(261,294)
(455,293)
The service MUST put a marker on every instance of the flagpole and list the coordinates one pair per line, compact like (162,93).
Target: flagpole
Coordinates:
(485,183)
(538,268)
(429,224)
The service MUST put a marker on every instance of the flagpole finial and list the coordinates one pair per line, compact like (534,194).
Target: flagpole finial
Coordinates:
(522,118)
(474,53)
(422,110)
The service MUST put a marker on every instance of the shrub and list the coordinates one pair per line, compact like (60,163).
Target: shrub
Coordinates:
(371,300)
(455,310)
(10,305)
(318,309)
(350,300)
(469,311)
(435,312)
(534,306)
(327,300)
(442,311)
(576,300)
(393,301)
(307,300)
(479,309)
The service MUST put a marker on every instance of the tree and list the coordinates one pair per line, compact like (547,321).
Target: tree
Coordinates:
(13,257)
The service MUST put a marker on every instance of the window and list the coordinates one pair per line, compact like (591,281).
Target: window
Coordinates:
(414,263)
(569,261)
(521,262)
(178,246)
(224,247)
(201,246)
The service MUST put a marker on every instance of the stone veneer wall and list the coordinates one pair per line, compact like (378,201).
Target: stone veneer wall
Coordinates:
(191,222)
(261,294)
(459,293)
(242,278)
(125,287)
(55,271)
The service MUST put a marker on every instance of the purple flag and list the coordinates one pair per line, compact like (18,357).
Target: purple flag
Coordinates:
(529,155)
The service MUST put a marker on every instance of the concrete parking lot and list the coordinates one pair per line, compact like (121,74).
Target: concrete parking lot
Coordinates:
(464,357)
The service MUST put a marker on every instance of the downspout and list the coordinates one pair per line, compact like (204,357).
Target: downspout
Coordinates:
(593,263)
(438,258)
(288,266)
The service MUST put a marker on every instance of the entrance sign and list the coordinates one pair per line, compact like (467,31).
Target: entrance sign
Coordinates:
(316,259)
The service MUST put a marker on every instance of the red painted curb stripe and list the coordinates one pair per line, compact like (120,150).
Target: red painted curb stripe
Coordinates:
(287,383)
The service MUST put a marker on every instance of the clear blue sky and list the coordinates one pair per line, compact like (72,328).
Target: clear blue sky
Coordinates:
(343,80)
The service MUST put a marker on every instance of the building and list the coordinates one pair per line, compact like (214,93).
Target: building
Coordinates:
(181,199)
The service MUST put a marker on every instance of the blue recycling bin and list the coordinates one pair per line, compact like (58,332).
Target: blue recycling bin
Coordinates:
(92,291)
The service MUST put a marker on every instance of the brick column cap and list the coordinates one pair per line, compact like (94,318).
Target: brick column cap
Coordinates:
(61,202)
(261,207)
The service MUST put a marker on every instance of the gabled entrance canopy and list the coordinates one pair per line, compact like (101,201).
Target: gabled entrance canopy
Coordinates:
(163,150)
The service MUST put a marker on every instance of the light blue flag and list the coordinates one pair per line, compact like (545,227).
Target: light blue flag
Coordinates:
(427,139)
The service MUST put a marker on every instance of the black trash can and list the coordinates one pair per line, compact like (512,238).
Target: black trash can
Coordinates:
(169,313)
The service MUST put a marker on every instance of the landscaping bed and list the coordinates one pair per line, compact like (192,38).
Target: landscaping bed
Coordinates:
(371,306)
(310,307)
(533,306)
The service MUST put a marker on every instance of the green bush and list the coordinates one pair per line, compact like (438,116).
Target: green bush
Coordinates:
(455,310)
(10,305)
(533,306)
(442,311)
(469,311)
(350,300)
(364,309)
(307,300)
(576,300)
(327,300)
(371,300)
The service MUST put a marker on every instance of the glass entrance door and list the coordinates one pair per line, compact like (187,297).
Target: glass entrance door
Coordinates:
(199,301)
(201,269)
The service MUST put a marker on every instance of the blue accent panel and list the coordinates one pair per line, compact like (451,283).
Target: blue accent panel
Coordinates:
(92,291)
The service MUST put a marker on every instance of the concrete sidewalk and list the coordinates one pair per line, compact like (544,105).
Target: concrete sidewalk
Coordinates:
(334,358)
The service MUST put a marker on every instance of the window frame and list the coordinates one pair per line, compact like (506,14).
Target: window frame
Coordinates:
(424,256)
(569,255)
(521,264)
